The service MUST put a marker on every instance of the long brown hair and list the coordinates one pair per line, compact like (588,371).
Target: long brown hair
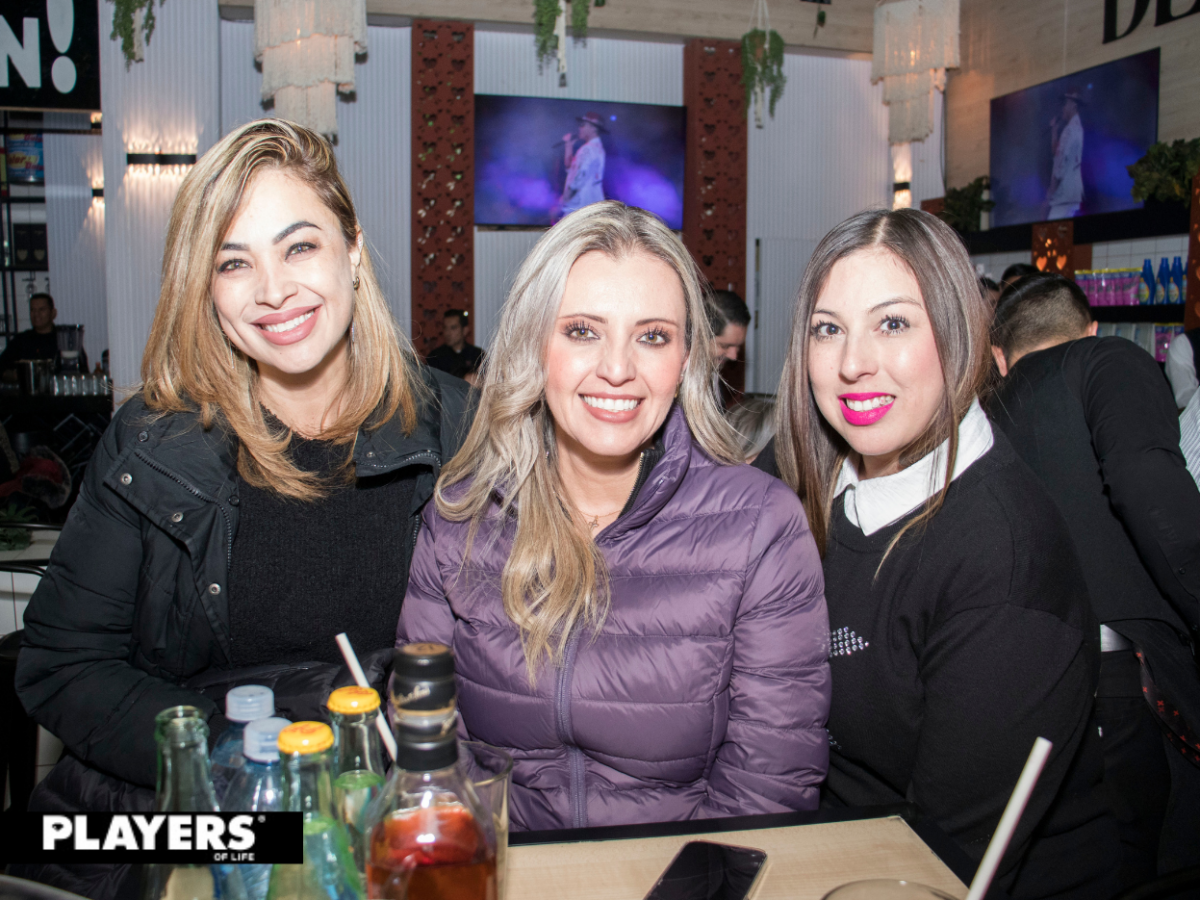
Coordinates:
(190,363)
(555,578)
(808,451)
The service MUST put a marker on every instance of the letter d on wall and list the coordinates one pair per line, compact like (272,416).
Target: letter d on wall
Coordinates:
(1163,14)
(1139,12)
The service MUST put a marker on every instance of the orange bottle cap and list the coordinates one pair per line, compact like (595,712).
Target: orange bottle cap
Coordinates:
(305,737)
(353,699)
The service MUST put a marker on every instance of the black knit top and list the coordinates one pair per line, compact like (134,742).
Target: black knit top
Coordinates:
(304,571)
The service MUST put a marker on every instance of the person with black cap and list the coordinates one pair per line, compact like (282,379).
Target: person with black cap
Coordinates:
(1066,143)
(585,166)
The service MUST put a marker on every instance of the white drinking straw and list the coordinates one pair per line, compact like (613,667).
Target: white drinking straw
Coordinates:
(360,677)
(1008,822)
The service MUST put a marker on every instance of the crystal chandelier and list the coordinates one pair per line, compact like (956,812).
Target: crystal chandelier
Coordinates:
(916,41)
(307,50)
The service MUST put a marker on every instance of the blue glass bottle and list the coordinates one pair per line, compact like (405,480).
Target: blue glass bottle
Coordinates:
(258,787)
(1176,293)
(242,704)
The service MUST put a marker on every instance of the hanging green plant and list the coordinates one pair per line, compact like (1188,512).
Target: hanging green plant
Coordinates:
(579,18)
(1166,171)
(762,70)
(965,204)
(133,23)
(545,14)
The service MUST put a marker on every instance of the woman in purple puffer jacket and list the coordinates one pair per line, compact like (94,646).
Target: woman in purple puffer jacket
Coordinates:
(637,618)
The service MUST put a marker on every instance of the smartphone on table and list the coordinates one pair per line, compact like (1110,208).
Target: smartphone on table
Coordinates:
(703,870)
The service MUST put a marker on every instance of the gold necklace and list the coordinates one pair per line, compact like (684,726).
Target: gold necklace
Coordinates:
(595,523)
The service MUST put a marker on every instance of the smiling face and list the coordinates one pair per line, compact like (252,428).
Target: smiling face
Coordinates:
(872,359)
(283,280)
(615,356)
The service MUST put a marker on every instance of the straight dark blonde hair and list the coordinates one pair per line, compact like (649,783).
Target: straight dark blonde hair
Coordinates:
(555,579)
(808,451)
(190,363)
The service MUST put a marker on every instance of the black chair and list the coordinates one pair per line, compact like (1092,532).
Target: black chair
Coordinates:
(1178,884)
(18,751)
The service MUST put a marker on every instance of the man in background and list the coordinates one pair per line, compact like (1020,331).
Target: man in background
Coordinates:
(1066,144)
(729,319)
(1015,273)
(455,356)
(38,342)
(1094,420)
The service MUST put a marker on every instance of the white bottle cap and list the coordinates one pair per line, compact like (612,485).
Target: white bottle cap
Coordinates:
(261,739)
(249,702)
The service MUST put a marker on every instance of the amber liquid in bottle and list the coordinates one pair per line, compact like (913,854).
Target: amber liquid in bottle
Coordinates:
(439,852)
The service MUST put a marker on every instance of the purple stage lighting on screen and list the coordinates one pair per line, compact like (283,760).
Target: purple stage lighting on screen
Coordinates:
(537,159)
(1059,149)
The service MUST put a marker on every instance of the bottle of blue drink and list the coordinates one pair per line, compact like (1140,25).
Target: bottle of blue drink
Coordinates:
(258,787)
(358,768)
(1164,281)
(328,871)
(1176,294)
(242,704)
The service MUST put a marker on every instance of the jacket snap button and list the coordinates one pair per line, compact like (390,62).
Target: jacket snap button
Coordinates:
(370,454)
(126,478)
(177,517)
(214,588)
(143,436)
(234,501)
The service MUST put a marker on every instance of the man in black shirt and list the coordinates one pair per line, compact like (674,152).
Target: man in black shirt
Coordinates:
(1095,420)
(455,355)
(38,342)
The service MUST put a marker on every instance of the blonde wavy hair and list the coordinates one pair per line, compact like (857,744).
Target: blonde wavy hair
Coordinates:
(190,363)
(555,579)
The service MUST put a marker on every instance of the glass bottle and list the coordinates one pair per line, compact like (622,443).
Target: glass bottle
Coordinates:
(185,785)
(428,829)
(243,704)
(359,770)
(258,787)
(328,871)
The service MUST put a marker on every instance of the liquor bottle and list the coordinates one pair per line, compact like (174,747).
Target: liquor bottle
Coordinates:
(1176,294)
(242,704)
(185,785)
(1147,287)
(258,787)
(428,828)
(358,769)
(328,872)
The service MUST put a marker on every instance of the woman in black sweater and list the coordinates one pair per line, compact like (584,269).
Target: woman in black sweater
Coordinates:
(959,618)
(259,494)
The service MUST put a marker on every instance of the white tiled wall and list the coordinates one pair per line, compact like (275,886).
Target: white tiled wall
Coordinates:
(1108,255)
(1131,254)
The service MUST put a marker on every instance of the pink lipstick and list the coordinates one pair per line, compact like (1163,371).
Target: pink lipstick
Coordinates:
(291,335)
(864,416)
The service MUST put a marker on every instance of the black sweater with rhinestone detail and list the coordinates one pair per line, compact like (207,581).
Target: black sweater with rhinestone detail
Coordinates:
(975,638)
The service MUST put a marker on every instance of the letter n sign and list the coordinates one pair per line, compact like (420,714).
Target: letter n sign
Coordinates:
(50,54)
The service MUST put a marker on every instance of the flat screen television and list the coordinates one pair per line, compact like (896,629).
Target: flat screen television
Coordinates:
(1059,149)
(526,172)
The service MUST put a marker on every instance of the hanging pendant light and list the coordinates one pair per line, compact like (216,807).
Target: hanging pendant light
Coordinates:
(307,50)
(916,41)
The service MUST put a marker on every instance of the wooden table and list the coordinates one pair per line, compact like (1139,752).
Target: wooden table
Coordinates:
(804,861)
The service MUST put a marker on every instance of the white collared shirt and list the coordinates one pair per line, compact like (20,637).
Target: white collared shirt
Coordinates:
(878,502)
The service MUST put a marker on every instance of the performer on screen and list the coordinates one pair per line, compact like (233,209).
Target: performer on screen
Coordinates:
(585,166)
(1066,143)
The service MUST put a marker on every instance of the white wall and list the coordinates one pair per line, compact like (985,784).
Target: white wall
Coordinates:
(621,71)
(170,103)
(821,159)
(75,229)
(373,147)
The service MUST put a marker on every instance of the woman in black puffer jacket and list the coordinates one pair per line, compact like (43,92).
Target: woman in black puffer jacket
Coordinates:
(260,494)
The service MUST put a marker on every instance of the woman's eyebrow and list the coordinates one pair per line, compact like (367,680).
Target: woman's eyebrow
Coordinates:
(291,229)
(892,301)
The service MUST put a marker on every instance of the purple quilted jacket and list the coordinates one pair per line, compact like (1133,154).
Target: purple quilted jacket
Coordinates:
(706,690)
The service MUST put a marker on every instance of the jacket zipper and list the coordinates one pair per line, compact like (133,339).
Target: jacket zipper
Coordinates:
(197,492)
(575,762)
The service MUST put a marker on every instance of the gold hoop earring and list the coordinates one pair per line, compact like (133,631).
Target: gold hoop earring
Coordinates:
(356,282)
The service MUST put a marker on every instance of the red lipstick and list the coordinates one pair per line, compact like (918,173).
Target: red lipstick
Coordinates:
(865,416)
